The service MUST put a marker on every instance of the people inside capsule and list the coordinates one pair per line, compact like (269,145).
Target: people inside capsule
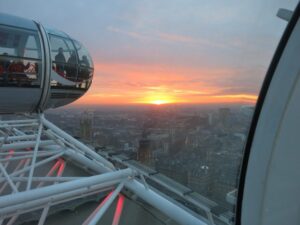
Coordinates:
(71,70)
(84,61)
(60,62)
(17,70)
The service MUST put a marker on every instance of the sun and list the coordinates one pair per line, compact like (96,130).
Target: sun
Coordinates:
(157,97)
(159,102)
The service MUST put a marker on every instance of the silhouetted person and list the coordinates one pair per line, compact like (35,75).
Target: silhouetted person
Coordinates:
(60,61)
(85,61)
(84,70)
(71,67)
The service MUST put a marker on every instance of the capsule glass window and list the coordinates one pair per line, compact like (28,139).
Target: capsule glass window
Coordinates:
(84,56)
(85,70)
(65,61)
(20,57)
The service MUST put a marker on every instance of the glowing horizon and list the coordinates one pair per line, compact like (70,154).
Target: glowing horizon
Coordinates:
(123,84)
(238,99)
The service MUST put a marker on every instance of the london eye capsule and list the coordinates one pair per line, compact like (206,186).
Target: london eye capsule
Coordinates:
(40,68)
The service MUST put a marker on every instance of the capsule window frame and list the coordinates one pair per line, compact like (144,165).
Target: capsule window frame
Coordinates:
(14,78)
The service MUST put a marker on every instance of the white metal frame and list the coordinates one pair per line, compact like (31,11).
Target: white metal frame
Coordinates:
(30,144)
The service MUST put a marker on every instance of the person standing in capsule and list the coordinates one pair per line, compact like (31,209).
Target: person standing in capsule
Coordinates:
(60,61)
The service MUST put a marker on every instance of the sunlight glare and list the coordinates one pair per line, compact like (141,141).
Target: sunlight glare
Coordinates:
(159,102)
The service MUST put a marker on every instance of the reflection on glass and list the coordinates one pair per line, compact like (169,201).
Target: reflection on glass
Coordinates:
(20,57)
(19,72)
(83,54)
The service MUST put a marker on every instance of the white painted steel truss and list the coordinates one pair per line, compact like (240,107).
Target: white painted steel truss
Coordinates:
(35,156)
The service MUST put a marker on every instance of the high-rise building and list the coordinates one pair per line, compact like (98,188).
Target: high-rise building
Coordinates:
(86,126)
(144,151)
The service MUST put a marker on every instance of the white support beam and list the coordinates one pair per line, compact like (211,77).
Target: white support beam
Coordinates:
(44,215)
(58,198)
(15,169)
(78,144)
(87,220)
(11,184)
(18,138)
(12,220)
(25,144)
(118,210)
(30,156)
(18,125)
(2,122)
(40,163)
(42,179)
(18,132)
(85,162)
(98,215)
(26,163)
(171,209)
(28,152)
(36,148)
(21,197)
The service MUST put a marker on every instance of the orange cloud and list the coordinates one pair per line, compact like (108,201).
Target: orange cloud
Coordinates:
(117,83)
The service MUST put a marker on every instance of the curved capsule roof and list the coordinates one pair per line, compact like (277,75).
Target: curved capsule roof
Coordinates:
(15,21)
(40,68)
(56,32)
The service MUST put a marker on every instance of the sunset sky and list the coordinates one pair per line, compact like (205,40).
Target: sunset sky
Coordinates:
(159,51)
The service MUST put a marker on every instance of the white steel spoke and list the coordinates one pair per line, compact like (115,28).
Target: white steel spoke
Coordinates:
(38,139)
(27,161)
(98,215)
(25,144)
(12,220)
(44,215)
(78,144)
(40,163)
(42,179)
(29,156)
(37,194)
(118,210)
(17,138)
(86,222)
(16,168)
(7,163)
(11,184)
(54,167)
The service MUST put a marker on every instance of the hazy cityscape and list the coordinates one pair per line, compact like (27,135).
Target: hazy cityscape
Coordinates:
(200,147)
